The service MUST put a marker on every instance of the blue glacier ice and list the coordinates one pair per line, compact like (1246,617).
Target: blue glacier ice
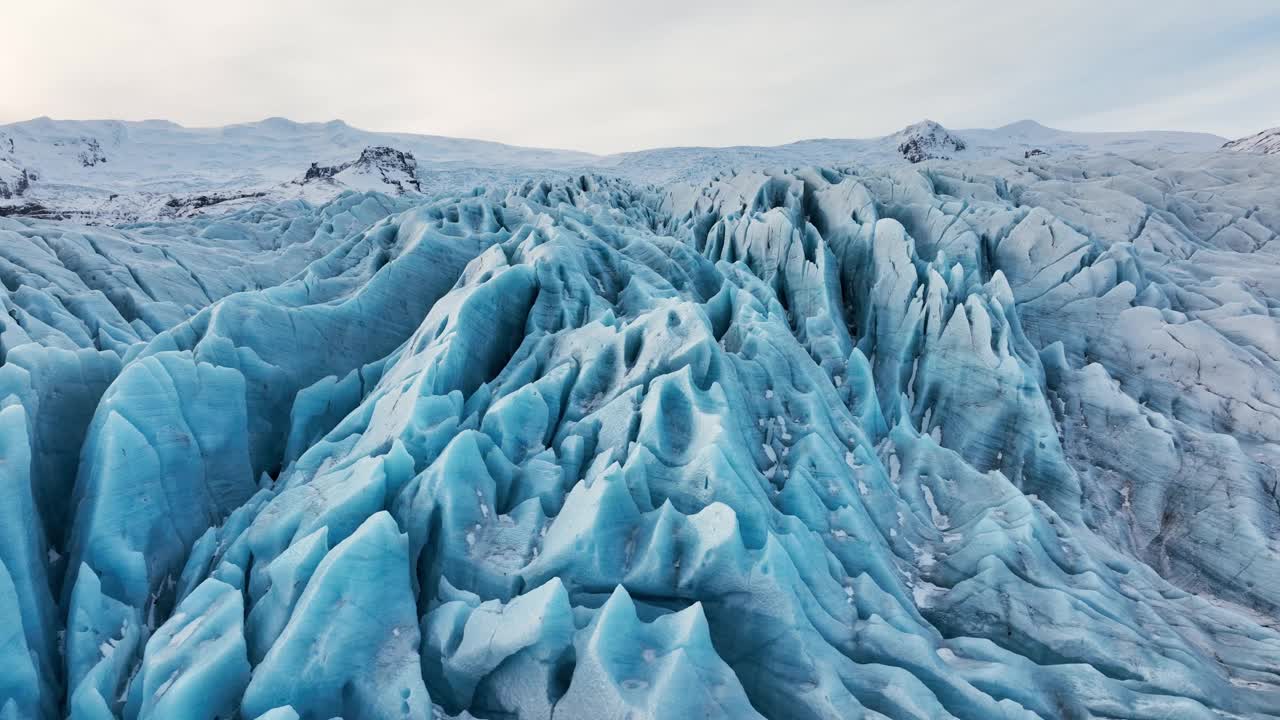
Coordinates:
(996,440)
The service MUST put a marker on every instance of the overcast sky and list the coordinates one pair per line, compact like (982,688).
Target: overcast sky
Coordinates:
(606,76)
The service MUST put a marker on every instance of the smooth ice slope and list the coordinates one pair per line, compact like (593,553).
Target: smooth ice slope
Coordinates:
(991,439)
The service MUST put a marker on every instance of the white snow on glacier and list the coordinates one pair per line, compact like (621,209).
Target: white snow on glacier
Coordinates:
(1266,142)
(113,171)
(993,436)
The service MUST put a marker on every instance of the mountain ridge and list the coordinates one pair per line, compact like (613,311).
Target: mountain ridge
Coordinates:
(1266,142)
(110,171)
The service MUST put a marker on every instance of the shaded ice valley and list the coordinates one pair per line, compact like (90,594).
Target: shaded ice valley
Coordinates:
(985,436)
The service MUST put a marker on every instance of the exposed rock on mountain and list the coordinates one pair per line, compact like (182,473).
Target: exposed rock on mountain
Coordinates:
(14,181)
(91,154)
(928,140)
(192,204)
(378,168)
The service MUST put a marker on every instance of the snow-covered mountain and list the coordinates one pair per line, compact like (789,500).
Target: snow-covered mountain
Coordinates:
(113,171)
(378,169)
(1029,134)
(1266,142)
(127,170)
(928,140)
(1015,141)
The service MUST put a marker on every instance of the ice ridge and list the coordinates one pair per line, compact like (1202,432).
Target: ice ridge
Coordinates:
(804,443)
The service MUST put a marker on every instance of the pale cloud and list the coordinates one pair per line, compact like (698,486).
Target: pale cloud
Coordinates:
(611,76)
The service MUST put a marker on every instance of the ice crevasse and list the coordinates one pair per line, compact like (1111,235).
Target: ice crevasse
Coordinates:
(911,443)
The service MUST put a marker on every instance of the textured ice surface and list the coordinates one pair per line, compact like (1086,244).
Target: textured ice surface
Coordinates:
(994,439)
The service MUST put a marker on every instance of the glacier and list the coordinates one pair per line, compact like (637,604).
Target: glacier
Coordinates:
(973,439)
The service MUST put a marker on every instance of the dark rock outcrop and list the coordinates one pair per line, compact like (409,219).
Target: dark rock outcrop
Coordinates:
(928,140)
(396,168)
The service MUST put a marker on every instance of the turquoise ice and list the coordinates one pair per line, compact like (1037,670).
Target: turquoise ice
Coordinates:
(811,443)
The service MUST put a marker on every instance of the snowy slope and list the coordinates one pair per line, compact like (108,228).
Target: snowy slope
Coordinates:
(926,140)
(111,171)
(82,164)
(1028,134)
(1266,142)
(987,437)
